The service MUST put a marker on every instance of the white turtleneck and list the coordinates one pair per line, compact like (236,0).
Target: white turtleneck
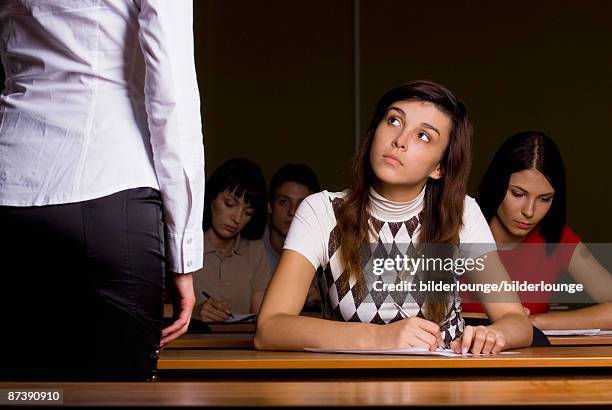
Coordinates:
(390,211)
(315,220)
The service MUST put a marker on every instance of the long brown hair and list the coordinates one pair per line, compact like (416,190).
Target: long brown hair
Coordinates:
(444,197)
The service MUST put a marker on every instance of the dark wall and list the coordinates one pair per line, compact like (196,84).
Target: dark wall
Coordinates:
(277,81)
(518,65)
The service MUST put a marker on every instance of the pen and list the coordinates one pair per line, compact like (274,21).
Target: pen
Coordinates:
(404,314)
(211,298)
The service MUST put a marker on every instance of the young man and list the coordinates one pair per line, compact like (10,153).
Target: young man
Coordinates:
(290,184)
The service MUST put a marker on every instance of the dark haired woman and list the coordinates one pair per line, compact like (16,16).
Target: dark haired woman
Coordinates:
(523,197)
(409,184)
(236,272)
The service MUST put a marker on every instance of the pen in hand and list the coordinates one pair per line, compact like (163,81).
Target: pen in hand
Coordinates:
(404,314)
(211,298)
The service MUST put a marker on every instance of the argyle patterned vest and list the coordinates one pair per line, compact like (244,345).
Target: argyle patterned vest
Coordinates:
(342,300)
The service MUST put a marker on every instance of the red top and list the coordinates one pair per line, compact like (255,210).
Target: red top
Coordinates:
(533,264)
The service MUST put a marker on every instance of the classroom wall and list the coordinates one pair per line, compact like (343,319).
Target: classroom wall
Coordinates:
(541,65)
(277,81)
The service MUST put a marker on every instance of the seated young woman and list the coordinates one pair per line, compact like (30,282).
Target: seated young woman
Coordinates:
(523,197)
(236,272)
(408,186)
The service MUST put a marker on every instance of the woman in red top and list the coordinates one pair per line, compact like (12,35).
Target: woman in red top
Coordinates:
(523,197)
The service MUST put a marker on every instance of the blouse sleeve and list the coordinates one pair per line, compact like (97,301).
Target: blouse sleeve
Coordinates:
(173,112)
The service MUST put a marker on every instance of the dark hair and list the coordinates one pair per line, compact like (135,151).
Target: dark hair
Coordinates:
(299,173)
(526,150)
(444,197)
(243,178)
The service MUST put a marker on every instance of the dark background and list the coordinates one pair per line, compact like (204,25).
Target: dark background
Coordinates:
(277,81)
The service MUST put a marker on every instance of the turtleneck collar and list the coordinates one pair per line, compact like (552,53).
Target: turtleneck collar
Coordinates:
(390,211)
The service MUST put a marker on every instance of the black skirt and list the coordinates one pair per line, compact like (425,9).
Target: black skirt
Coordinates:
(81,288)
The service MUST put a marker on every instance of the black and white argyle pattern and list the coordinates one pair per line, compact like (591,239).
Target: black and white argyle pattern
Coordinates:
(343,301)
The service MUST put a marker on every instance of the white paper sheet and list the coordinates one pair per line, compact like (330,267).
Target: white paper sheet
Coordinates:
(415,351)
(242,318)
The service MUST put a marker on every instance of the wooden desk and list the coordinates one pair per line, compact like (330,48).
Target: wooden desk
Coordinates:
(245,341)
(474,315)
(541,357)
(213,341)
(245,327)
(559,340)
(558,393)
(580,340)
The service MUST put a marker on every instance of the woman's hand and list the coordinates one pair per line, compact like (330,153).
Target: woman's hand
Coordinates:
(184,301)
(215,311)
(479,339)
(411,332)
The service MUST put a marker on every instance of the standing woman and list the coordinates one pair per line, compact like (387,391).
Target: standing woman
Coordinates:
(523,197)
(408,185)
(101,184)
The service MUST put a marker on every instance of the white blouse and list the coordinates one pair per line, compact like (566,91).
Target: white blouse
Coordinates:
(102,96)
